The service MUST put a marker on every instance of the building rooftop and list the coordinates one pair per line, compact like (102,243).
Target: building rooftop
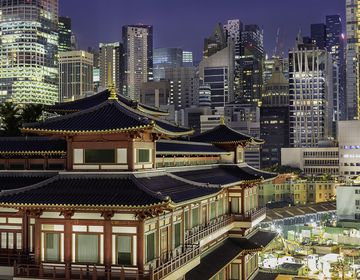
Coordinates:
(111,116)
(223,134)
(24,146)
(96,99)
(15,180)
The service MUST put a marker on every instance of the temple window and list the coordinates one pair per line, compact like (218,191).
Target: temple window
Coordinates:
(235,209)
(195,217)
(11,240)
(87,248)
(220,207)
(143,155)
(52,247)
(150,246)
(100,156)
(124,245)
(235,271)
(212,210)
(186,220)
(177,235)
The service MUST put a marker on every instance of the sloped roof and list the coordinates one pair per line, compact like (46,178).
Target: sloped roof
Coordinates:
(111,116)
(222,134)
(31,146)
(16,180)
(96,99)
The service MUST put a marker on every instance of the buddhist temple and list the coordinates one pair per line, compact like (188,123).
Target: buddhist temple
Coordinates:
(106,189)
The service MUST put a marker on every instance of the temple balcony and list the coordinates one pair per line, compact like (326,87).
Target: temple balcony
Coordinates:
(176,266)
(250,218)
(206,233)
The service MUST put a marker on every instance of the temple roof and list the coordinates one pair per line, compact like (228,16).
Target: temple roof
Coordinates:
(220,174)
(96,99)
(83,190)
(16,180)
(111,116)
(172,147)
(222,134)
(31,146)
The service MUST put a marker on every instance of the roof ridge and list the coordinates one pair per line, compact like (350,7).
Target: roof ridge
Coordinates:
(145,189)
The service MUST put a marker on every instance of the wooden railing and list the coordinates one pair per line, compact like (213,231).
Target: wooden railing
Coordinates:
(12,257)
(88,272)
(189,253)
(213,226)
(251,215)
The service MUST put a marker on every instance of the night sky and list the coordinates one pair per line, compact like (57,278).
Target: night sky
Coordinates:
(185,23)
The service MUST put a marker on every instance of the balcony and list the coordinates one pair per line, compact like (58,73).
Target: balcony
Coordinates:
(213,226)
(186,260)
(250,218)
(61,271)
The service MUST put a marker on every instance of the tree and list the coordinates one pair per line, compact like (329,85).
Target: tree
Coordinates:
(31,113)
(10,119)
(284,169)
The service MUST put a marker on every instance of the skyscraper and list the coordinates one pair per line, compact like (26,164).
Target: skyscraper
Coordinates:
(251,63)
(165,58)
(216,42)
(318,35)
(138,55)
(64,34)
(352,59)
(274,116)
(76,74)
(28,51)
(111,55)
(188,60)
(233,30)
(310,95)
(335,46)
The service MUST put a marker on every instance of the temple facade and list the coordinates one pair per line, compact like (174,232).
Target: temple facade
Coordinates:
(106,189)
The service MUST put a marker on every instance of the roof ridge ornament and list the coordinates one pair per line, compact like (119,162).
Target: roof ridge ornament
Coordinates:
(111,86)
(222,120)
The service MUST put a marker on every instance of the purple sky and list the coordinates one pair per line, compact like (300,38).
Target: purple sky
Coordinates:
(185,23)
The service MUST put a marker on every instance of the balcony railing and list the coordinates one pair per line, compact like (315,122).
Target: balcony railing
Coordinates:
(251,216)
(202,232)
(11,257)
(49,271)
(189,253)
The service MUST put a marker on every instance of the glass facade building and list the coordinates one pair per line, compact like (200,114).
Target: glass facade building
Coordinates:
(28,51)
(165,58)
(65,34)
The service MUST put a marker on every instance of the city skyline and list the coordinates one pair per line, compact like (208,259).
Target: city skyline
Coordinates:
(167,17)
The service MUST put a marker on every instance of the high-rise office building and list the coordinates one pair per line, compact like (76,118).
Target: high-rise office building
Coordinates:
(111,55)
(166,58)
(216,42)
(233,30)
(269,64)
(28,51)
(188,60)
(138,58)
(65,34)
(335,46)
(352,59)
(251,64)
(318,35)
(218,72)
(310,95)
(274,116)
(75,74)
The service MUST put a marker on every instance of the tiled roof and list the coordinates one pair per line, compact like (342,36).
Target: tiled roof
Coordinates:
(263,238)
(16,180)
(31,146)
(94,100)
(89,190)
(111,116)
(265,276)
(82,191)
(219,258)
(223,134)
(185,147)
(217,175)
(178,191)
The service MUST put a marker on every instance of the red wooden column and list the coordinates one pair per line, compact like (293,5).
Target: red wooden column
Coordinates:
(140,245)
(25,232)
(37,234)
(107,238)
(67,242)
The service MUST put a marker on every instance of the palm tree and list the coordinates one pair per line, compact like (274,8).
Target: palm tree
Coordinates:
(10,119)
(31,113)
